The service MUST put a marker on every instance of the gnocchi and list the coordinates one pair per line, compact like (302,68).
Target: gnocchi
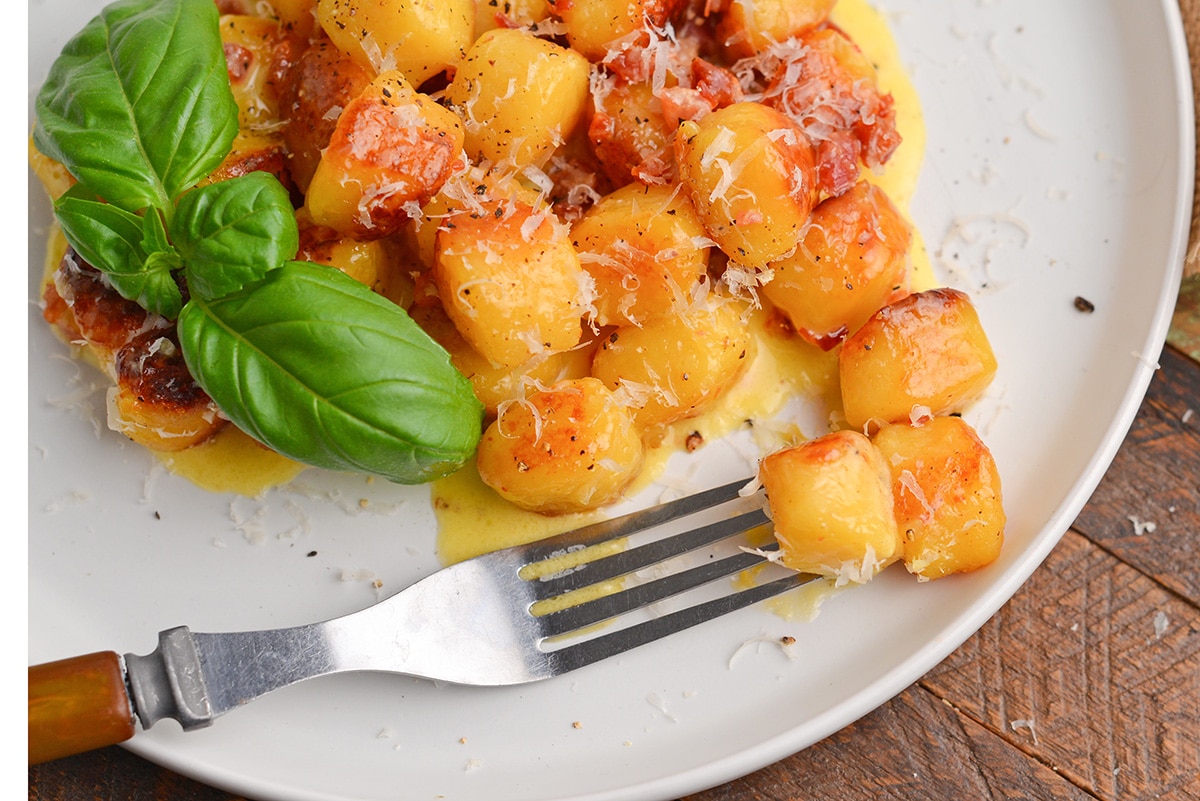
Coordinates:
(750,170)
(565,448)
(519,96)
(852,260)
(391,150)
(673,366)
(831,503)
(510,280)
(418,38)
(645,250)
(926,354)
(947,496)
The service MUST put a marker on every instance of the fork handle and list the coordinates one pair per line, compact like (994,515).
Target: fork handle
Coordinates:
(76,705)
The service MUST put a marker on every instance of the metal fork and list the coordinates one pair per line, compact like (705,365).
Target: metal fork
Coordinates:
(513,616)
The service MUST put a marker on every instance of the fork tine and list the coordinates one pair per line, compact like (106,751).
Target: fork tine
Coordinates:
(584,653)
(643,556)
(633,522)
(573,618)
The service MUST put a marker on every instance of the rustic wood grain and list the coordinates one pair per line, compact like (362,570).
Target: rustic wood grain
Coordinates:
(114,774)
(1146,509)
(1092,668)
(1190,11)
(914,747)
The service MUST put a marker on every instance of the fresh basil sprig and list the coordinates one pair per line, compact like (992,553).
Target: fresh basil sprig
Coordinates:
(139,109)
(128,248)
(138,105)
(332,374)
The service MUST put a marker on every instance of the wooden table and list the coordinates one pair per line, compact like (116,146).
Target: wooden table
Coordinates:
(1085,685)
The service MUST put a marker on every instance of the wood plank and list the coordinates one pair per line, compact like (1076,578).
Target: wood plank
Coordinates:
(1092,668)
(1146,509)
(114,774)
(915,746)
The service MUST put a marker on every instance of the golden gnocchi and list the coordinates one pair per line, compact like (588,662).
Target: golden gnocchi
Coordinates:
(831,504)
(392,149)
(750,170)
(565,448)
(947,496)
(924,355)
(646,251)
(852,260)
(417,37)
(519,96)
(674,365)
(510,280)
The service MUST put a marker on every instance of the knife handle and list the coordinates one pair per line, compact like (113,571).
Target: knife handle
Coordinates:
(76,705)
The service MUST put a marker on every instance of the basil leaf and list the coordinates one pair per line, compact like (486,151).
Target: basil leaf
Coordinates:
(138,105)
(154,236)
(113,241)
(316,366)
(233,232)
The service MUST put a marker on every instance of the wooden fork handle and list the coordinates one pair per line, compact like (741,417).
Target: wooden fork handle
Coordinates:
(76,705)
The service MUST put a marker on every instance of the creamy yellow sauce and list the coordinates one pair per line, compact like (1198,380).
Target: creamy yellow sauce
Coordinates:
(232,462)
(473,519)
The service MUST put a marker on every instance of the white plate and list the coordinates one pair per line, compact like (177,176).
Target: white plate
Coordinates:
(1060,153)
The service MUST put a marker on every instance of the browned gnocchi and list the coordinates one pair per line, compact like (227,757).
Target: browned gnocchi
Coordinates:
(510,280)
(673,366)
(852,260)
(947,496)
(519,96)
(831,503)
(646,251)
(565,448)
(924,355)
(750,170)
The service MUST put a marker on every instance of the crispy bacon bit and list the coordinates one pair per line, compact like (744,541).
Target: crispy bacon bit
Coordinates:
(238,60)
(717,85)
(823,82)
(681,103)
(837,163)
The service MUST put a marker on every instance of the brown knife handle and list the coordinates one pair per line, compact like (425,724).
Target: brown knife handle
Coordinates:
(76,705)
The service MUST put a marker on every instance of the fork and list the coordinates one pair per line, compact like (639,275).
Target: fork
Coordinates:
(512,616)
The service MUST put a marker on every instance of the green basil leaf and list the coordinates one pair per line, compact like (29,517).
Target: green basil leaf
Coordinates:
(233,232)
(316,366)
(154,235)
(113,241)
(138,105)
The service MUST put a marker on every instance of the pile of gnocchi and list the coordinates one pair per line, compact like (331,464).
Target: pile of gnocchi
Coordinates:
(584,202)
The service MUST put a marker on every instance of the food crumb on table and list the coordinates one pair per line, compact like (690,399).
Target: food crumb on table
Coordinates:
(1141,527)
(1161,623)
(1024,723)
